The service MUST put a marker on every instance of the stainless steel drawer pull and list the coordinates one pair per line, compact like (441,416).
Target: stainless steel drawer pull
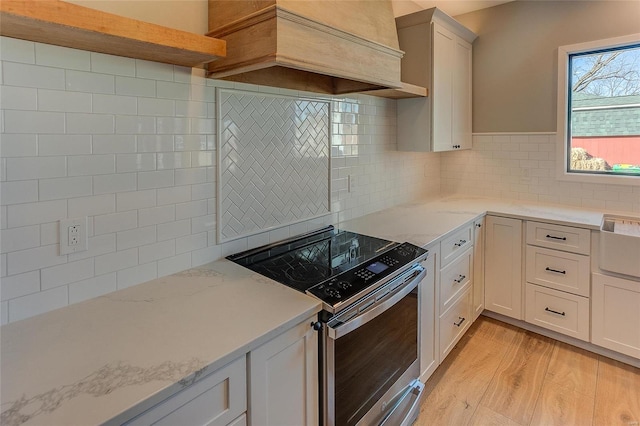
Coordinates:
(554,312)
(460,243)
(555,270)
(460,278)
(557,238)
(459,323)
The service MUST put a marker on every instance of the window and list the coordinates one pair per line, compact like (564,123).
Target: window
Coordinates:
(599,111)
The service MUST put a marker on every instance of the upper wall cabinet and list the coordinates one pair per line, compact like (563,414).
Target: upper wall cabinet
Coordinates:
(438,56)
(69,25)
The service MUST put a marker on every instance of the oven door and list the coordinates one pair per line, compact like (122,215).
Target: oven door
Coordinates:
(372,354)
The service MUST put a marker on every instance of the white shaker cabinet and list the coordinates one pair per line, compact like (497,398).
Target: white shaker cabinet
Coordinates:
(503,266)
(429,360)
(615,316)
(438,55)
(283,378)
(478,267)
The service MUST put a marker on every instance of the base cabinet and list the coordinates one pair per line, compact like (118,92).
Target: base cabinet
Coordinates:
(615,316)
(478,268)
(427,292)
(503,266)
(283,379)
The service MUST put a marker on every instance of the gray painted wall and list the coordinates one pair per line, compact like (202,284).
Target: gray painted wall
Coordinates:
(515,56)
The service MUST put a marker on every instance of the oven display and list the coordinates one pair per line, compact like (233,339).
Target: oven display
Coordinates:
(377,267)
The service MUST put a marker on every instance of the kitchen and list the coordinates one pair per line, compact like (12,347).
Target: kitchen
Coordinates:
(138,157)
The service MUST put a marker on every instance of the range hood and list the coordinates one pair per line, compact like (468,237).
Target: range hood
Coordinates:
(325,46)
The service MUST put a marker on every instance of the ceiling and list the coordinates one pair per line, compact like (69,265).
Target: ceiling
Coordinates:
(450,7)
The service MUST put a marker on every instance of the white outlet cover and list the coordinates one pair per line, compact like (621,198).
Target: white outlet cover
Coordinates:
(82,245)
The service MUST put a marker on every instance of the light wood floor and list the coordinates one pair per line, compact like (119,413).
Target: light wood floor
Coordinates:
(502,375)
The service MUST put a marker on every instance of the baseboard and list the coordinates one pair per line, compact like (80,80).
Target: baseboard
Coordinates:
(565,339)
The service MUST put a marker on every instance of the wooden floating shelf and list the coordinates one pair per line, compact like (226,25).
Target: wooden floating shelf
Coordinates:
(69,25)
(406,91)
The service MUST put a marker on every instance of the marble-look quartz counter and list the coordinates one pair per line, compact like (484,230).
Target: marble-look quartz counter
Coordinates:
(97,360)
(426,222)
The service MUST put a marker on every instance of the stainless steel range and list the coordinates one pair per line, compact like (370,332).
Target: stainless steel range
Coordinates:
(369,340)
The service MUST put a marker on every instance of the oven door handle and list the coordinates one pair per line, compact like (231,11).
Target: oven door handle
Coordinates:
(354,323)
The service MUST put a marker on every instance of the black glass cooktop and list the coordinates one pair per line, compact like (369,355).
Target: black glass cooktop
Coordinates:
(310,259)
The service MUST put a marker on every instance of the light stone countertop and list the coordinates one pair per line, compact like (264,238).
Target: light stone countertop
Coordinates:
(115,356)
(426,222)
(96,361)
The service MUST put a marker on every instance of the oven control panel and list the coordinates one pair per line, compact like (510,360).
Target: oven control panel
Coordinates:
(344,286)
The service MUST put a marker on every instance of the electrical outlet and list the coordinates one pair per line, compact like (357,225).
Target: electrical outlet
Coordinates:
(73,235)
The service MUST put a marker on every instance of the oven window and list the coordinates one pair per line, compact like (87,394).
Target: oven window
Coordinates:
(370,359)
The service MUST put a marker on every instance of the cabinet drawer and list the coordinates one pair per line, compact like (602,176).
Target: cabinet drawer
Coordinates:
(558,311)
(567,238)
(559,270)
(216,399)
(455,244)
(454,278)
(454,323)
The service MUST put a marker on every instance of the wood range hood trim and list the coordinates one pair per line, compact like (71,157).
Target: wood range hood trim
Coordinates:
(315,67)
(69,25)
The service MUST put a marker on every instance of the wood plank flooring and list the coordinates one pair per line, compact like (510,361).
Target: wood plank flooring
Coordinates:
(499,374)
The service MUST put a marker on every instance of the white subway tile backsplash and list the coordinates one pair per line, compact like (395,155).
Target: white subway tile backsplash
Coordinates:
(173,195)
(16,50)
(126,124)
(154,70)
(66,273)
(21,98)
(49,145)
(90,123)
(98,245)
(21,191)
(63,101)
(22,168)
(135,162)
(136,237)
(3,265)
(175,229)
(109,184)
(115,104)
(93,287)
(19,285)
(37,303)
(82,165)
(203,191)
(159,179)
(109,64)
(113,144)
(157,251)
(156,107)
(204,93)
(24,75)
(156,215)
(195,76)
(171,90)
(173,160)
(109,223)
(191,243)
(22,238)
(191,176)
(172,125)
(203,224)
(62,188)
(81,81)
(135,200)
(203,126)
(91,206)
(191,209)
(190,109)
(174,264)
(33,259)
(154,143)
(137,274)
(33,122)
(62,57)
(18,145)
(205,255)
(116,261)
(192,143)
(135,86)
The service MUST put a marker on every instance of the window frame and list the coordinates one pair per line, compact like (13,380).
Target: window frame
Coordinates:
(563,123)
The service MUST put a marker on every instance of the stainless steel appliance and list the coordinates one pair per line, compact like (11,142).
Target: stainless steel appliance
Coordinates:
(369,323)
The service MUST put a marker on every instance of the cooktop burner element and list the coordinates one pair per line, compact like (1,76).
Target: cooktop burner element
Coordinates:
(333,265)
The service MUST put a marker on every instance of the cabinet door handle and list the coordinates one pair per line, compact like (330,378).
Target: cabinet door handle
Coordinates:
(554,312)
(478,225)
(555,270)
(460,243)
(460,278)
(459,323)
(557,238)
